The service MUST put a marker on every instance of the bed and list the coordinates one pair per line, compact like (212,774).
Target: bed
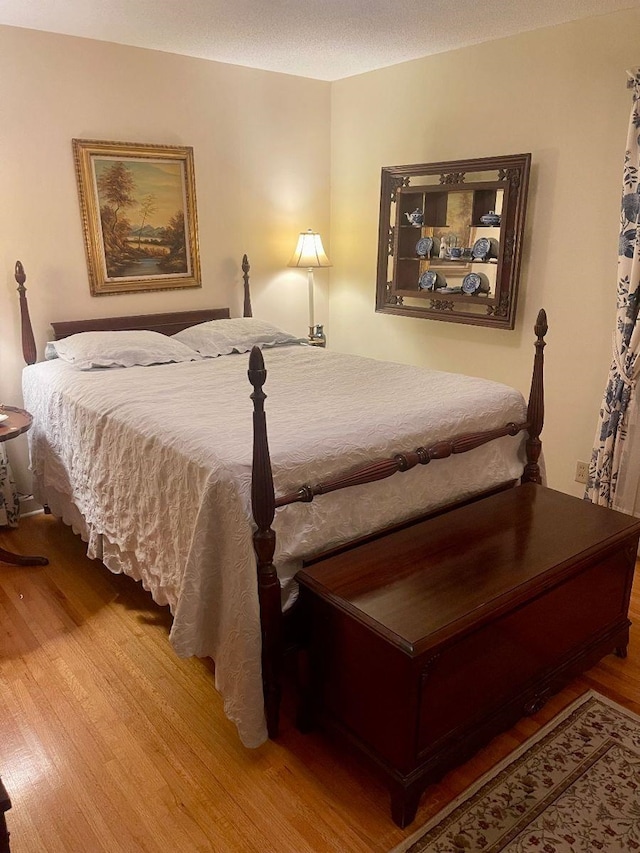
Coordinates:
(161,471)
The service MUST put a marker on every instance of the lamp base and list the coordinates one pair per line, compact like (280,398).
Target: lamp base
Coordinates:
(316,336)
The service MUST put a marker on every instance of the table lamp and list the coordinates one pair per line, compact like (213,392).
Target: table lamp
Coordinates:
(310,253)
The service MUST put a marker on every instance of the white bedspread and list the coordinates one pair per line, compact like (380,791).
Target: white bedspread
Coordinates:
(152,466)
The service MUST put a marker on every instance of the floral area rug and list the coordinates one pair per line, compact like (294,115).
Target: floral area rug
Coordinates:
(573,787)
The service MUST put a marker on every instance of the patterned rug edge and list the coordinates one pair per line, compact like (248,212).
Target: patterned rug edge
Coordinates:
(511,758)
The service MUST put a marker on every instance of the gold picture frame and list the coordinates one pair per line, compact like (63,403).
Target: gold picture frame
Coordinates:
(138,205)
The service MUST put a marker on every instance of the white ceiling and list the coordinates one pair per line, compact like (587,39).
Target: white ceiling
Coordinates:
(324,39)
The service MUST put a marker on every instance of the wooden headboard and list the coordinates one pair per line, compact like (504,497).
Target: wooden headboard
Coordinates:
(167,324)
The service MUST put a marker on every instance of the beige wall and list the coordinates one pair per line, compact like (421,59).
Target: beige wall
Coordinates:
(261,147)
(558,93)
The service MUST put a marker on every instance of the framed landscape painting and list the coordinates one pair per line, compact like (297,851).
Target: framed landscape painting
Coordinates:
(138,205)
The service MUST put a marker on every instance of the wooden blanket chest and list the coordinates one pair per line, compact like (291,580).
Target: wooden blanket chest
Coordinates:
(427,641)
(5,805)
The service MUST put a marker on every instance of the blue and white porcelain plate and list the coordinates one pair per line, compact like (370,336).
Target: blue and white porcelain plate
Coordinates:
(424,247)
(471,283)
(428,280)
(481,248)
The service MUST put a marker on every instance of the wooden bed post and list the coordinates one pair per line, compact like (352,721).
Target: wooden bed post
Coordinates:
(247,312)
(535,409)
(28,341)
(264,542)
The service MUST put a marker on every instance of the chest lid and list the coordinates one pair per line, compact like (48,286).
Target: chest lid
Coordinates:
(422,584)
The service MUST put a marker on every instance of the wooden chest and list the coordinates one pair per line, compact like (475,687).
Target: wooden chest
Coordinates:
(426,642)
(5,805)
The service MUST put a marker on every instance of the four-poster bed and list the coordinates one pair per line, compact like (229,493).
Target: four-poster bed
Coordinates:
(200,487)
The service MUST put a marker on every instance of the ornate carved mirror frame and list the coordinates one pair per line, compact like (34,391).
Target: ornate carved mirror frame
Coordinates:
(450,239)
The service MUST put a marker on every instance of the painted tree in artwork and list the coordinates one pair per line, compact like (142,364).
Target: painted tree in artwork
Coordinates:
(175,238)
(115,189)
(147,207)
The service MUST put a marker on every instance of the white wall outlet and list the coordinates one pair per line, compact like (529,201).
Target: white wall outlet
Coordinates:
(582,472)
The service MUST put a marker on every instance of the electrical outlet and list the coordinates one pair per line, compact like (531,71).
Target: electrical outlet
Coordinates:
(582,472)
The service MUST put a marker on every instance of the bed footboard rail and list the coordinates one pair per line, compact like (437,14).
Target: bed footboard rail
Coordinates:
(264,502)
(399,463)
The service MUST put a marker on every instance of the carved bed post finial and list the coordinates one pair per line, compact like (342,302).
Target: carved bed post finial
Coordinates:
(535,409)
(28,341)
(247,293)
(264,543)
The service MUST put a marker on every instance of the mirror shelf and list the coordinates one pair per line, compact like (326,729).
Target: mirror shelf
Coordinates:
(450,239)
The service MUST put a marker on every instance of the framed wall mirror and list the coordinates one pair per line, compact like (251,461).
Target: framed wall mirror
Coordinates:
(450,239)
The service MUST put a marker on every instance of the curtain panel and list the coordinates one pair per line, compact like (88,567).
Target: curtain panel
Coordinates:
(614,470)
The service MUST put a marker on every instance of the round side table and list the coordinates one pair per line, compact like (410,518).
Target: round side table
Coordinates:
(17,422)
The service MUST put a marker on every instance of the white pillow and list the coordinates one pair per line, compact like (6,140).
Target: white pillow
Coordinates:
(221,337)
(121,349)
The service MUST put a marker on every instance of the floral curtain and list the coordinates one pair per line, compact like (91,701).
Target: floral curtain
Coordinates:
(9,507)
(614,471)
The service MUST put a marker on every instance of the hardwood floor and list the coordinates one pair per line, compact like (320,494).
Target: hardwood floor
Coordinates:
(109,742)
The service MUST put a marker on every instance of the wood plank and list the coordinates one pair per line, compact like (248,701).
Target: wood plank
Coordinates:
(109,742)
(167,324)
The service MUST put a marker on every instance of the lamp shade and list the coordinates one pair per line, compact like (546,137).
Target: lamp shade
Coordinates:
(309,252)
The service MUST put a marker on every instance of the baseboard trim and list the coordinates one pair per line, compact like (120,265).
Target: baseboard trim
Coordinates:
(29,506)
